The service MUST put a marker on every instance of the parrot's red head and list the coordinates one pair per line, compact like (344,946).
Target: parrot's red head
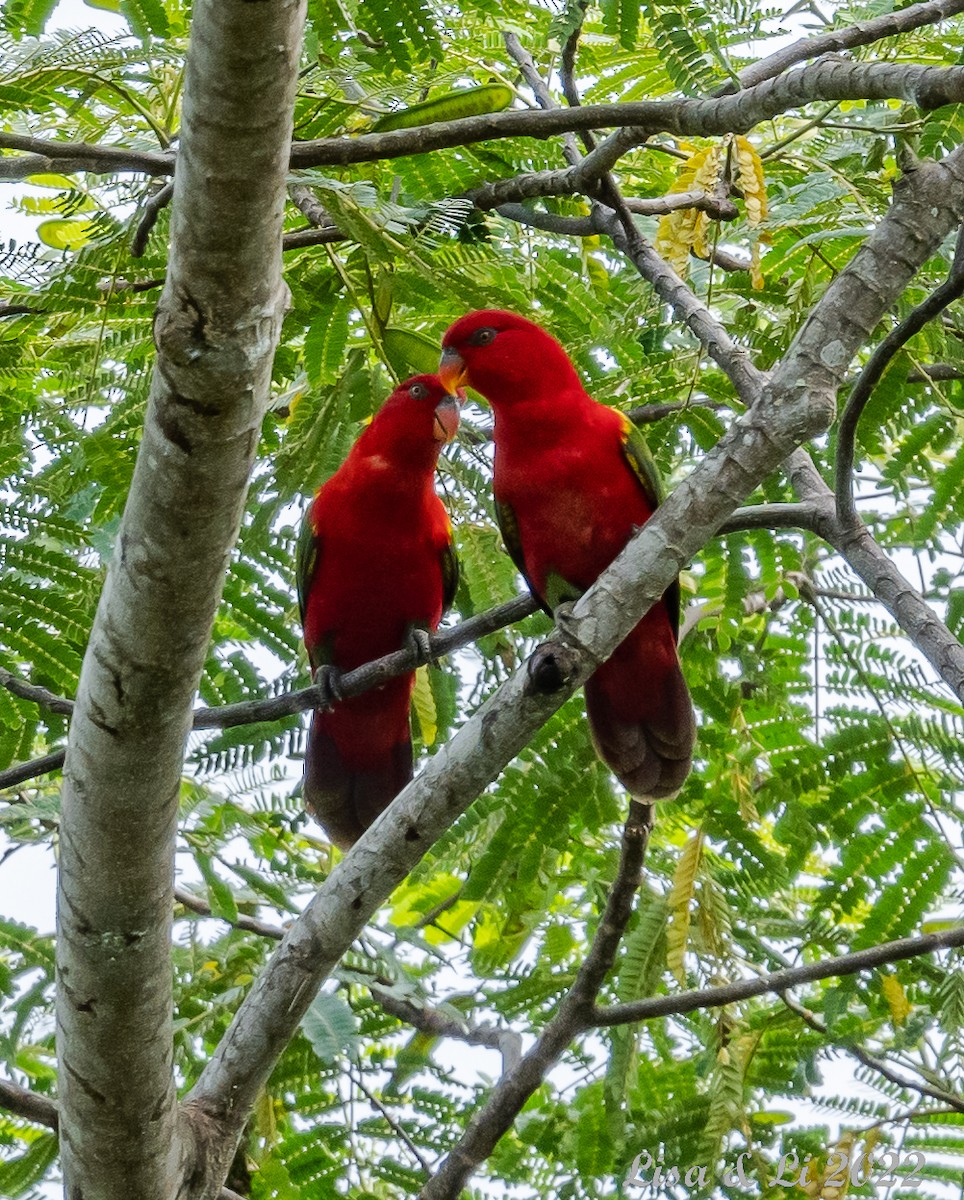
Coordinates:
(505,357)
(414,422)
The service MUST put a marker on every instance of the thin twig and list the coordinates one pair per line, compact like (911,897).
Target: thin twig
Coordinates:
(871,1061)
(393,1124)
(530,74)
(779,981)
(950,290)
(275,708)
(250,924)
(436,1024)
(152,210)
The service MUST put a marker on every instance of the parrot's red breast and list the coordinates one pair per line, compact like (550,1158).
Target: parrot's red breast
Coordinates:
(572,481)
(375,561)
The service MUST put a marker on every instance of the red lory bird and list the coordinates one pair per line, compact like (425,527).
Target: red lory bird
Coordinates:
(573,481)
(376,569)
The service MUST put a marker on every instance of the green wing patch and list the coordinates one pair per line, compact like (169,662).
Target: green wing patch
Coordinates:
(450,576)
(307,561)
(641,461)
(509,528)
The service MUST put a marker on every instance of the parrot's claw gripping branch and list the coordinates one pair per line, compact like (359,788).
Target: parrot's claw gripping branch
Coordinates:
(327,679)
(419,642)
(567,624)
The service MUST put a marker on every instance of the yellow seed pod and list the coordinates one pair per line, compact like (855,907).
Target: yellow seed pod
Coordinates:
(750,180)
(686,229)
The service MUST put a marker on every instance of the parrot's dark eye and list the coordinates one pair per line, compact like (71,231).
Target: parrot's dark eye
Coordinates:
(418,391)
(482,337)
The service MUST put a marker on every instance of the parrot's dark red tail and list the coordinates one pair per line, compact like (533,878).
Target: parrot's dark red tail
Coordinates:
(641,716)
(345,790)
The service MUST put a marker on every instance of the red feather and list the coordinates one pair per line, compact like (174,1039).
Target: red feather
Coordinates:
(376,561)
(570,499)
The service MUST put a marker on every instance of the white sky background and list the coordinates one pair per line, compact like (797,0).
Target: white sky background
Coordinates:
(27,878)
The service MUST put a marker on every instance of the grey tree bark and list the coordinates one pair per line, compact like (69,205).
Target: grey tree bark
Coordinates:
(218,323)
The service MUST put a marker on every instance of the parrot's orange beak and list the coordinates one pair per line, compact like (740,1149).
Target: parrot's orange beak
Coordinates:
(452,370)
(447,418)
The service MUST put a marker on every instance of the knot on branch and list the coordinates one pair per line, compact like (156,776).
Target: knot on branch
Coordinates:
(550,668)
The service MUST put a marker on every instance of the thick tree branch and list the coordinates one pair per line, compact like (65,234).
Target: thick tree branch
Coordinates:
(927,87)
(218,323)
(43,154)
(950,290)
(505,1103)
(778,981)
(860,551)
(914,16)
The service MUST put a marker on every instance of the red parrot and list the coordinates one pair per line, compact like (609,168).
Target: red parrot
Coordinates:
(573,481)
(376,567)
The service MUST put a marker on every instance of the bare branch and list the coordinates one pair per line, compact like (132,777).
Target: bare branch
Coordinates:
(572,180)
(901,599)
(22,772)
(873,1062)
(18,310)
(275,708)
(505,1103)
(927,87)
(437,1024)
(249,924)
(950,290)
(393,1124)
(778,981)
(43,154)
(863,34)
(934,372)
(807,516)
(532,77)
(29,1105)
(35,694)
(153,208)
(732,358)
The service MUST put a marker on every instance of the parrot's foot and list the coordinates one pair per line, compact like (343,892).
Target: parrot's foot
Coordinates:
(568,628)
(420,643)
(327,679)
(562,615)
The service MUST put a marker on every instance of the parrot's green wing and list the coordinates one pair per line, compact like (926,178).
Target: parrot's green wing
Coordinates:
(309,552)
(509,528)
(558,590)
(641,461)
(450,576)
(644,468)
